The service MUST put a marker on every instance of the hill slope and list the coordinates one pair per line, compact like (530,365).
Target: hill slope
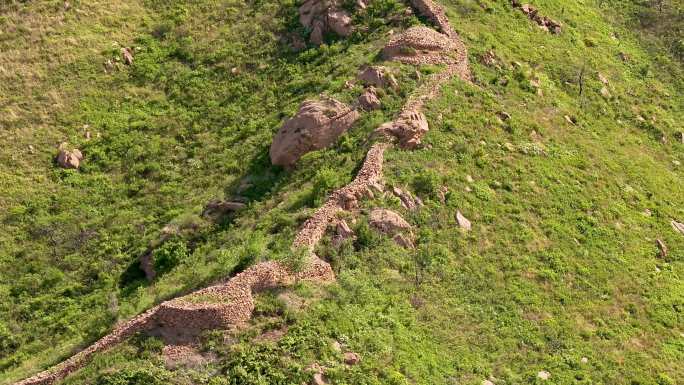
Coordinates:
(561,261)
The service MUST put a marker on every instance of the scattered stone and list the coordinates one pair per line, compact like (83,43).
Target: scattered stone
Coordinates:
(317,125)
(387,221)
(31,149)
(463,222)
(69,158)
(544,22)
(127,55)
(351,358)
(678,226)
(603,79)
(570,119)
(336,346)
(584,360)
(377,76)
(681,137)
(623,56)
(369,99)
(544,375)
(647,212)
(487,382)
(408,129)
(662,248)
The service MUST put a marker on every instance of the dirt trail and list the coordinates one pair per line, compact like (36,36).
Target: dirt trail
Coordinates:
(231,303)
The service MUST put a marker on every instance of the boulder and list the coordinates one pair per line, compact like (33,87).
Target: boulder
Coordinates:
(408,129)
(463,222)
(127,55)
(218,207)
(321,16)
(387,221)
(317,125)
(377,76)
(369,99)
(342,233)
(69,158)
(351,358)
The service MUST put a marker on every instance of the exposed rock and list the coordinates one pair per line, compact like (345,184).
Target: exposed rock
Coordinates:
(403,241)
(379,77)
(408,129)
(544,22)
(603,79)
(317,125)
(463,222)
(147,265)
(443,191)
(503,115)
(407,200)
(420,45)
(342,233)
(387,221)
(218,207)
(322,16)
(69,158)
(662,248)
(127,55)
(584,360)
(605,93)
(544,375)
(318,379)
(487,382)
(490,59)
(369,99)
(677,226)
(351,358)
(570,119)
(340,23)
(680,137)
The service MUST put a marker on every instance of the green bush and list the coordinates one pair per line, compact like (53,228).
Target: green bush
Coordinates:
(169,255)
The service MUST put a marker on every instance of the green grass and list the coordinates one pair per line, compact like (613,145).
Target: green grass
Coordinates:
(561,262)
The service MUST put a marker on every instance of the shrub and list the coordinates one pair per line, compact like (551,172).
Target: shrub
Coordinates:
(169,255)
(133,377)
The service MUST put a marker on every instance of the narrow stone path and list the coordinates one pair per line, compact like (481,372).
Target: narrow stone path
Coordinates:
(232,303)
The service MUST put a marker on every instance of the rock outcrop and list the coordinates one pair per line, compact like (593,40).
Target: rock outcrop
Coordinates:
(378,76)
(317,125)
(408,129)
(369,99)
(387,221)
(322,16)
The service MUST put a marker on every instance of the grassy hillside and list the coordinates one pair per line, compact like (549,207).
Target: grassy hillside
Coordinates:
(561,263)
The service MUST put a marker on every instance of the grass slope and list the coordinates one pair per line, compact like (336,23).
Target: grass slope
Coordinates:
(561,262)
